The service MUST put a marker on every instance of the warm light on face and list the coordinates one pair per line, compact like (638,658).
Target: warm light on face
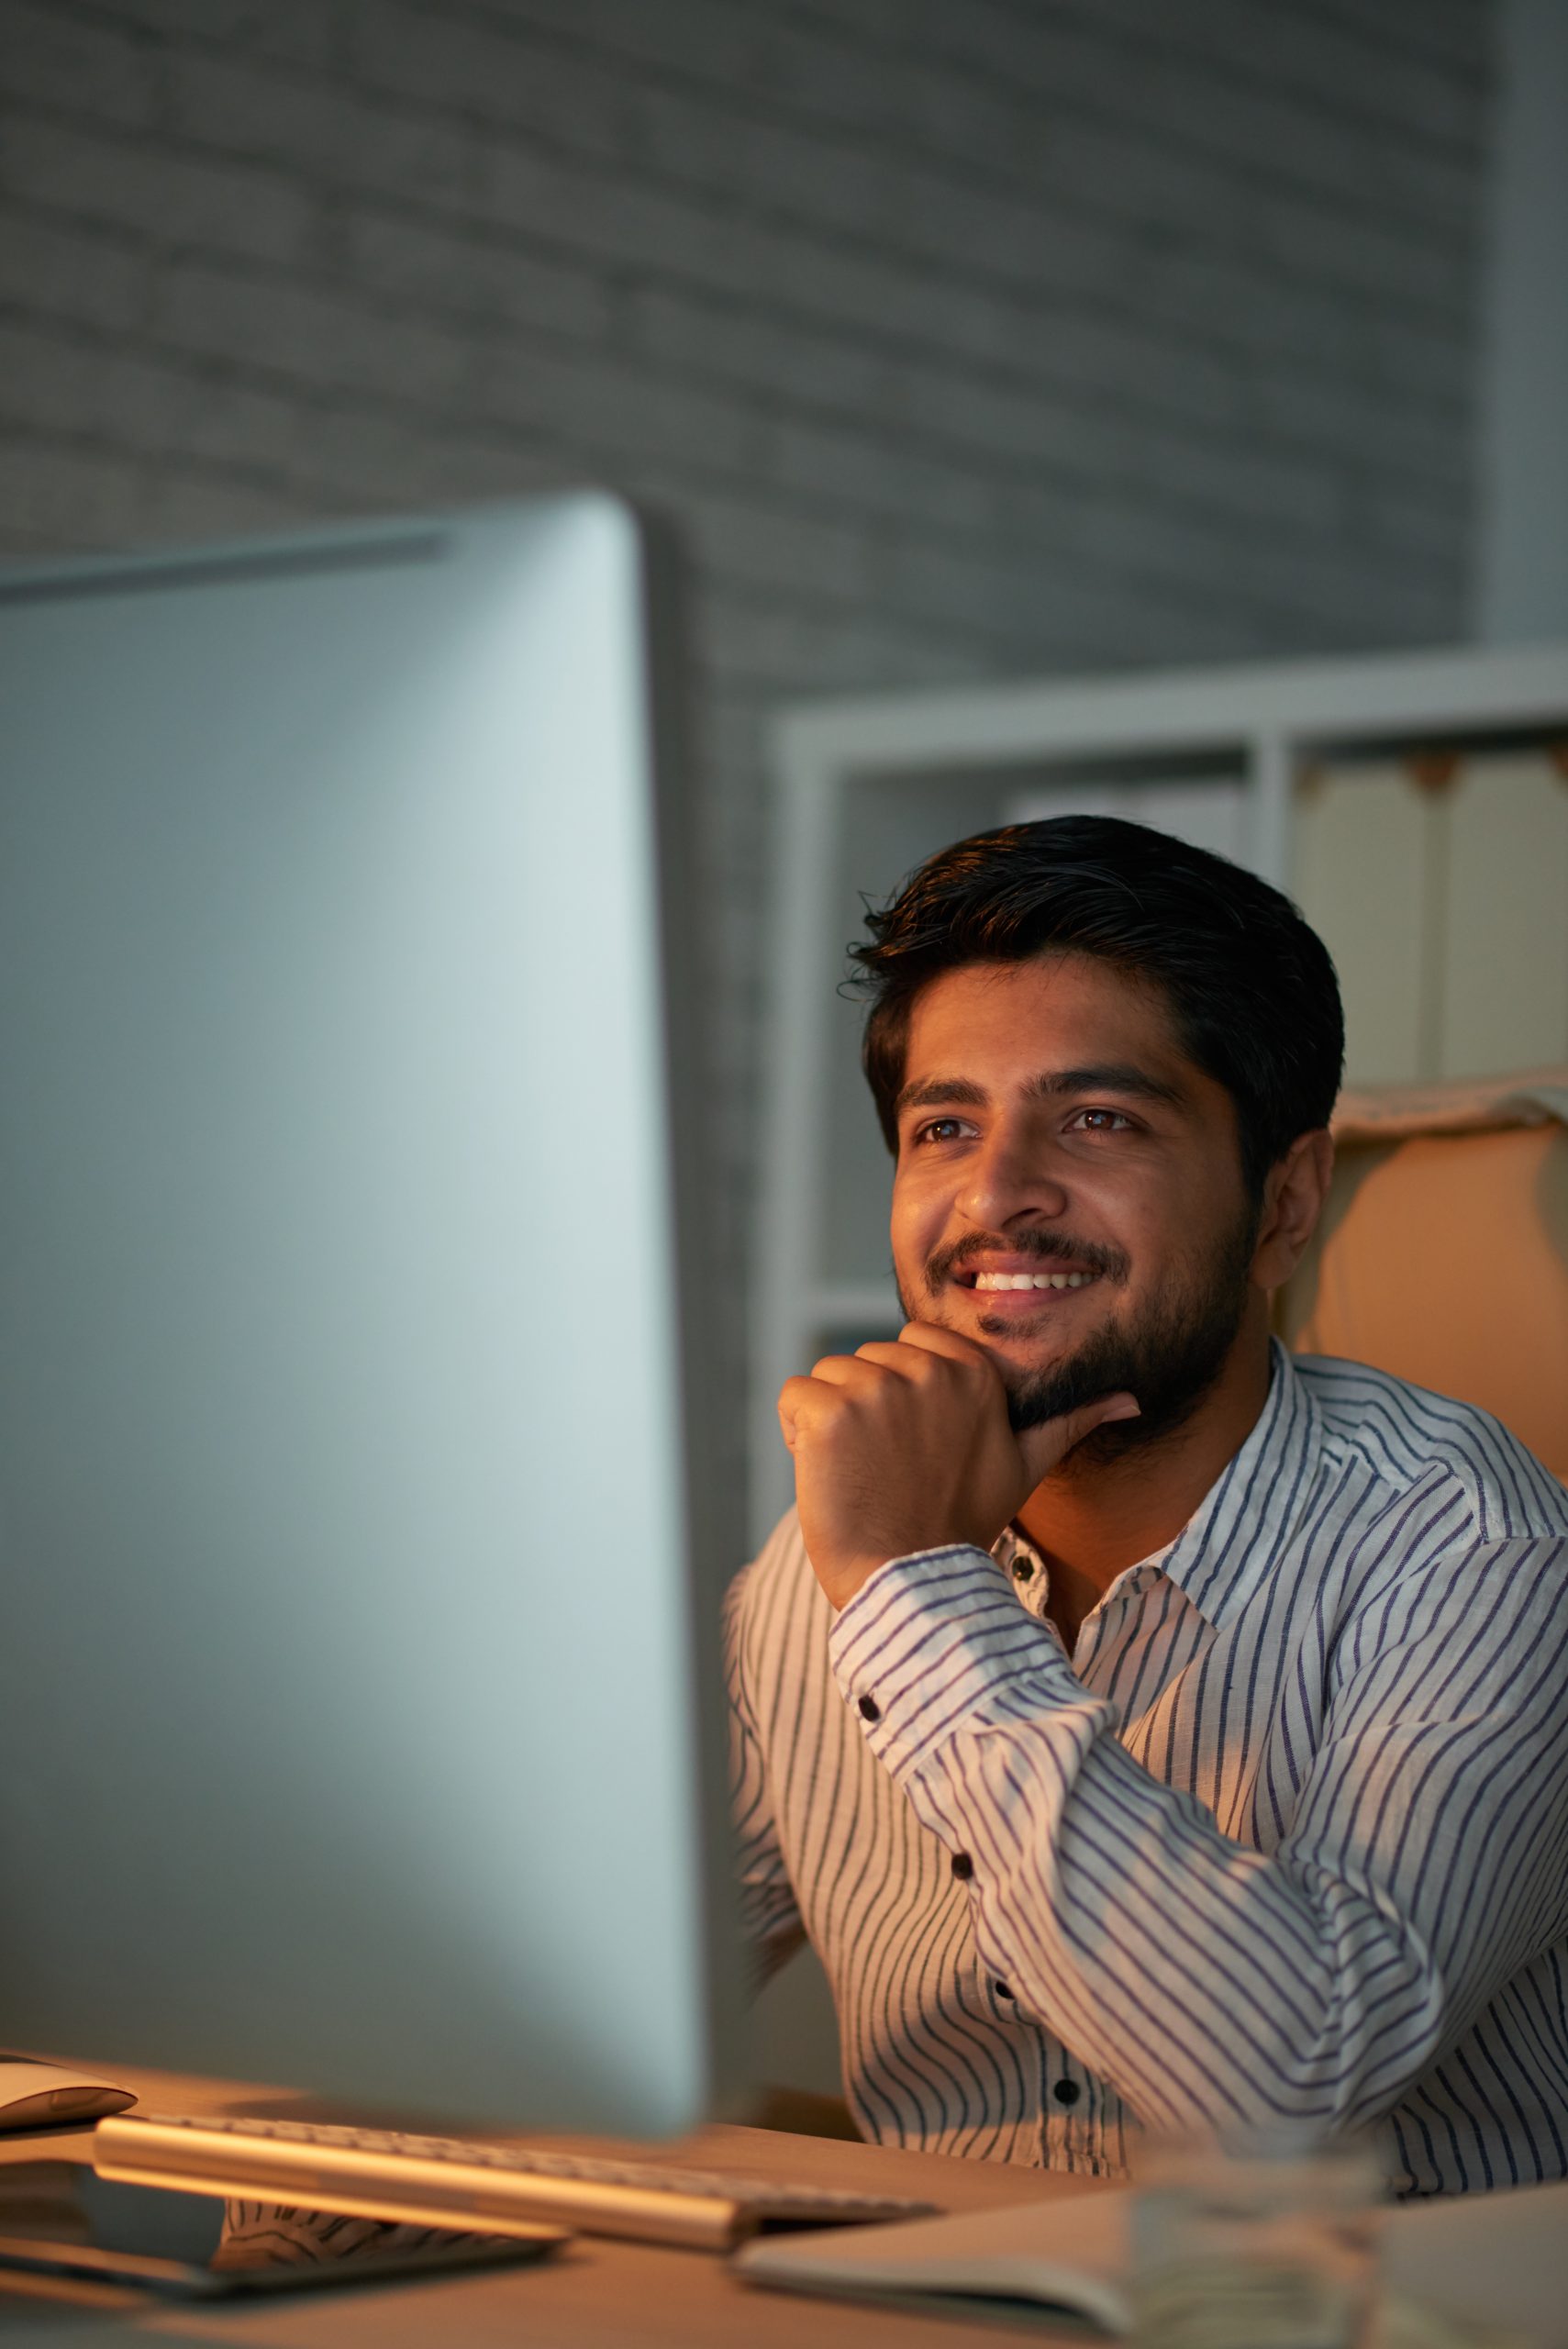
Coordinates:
(1068,1189)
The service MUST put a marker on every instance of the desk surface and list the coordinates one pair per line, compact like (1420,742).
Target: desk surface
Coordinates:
(595,2294)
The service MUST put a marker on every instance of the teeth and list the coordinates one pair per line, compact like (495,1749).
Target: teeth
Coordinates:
(1032,1280)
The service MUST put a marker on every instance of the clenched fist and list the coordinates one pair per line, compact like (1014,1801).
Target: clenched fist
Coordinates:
(905,1445)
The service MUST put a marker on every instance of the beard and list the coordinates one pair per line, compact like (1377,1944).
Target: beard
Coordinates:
(1168,1355)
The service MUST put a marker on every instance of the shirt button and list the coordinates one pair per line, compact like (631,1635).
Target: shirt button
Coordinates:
(870,1710)
(1066,2091)
(962,1866)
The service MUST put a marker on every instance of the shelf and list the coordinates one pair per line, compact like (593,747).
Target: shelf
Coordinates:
(871,787)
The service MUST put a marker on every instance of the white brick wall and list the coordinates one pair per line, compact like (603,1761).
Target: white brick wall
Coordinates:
(1011,336)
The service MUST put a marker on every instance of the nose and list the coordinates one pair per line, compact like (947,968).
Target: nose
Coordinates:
(1008,1180)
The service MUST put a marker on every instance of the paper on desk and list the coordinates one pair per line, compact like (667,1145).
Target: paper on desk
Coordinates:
(1067,2252)
(1495,2263)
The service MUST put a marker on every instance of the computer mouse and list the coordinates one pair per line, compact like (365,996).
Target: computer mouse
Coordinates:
(41,2096)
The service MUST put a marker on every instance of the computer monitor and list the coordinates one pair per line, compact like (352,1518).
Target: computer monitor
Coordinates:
(357,1716)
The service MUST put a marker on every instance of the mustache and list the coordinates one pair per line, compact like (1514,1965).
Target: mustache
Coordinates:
(1060,1247)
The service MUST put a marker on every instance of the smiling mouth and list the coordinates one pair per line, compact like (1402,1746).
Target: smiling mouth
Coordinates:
(996,1281)
(1013,1274)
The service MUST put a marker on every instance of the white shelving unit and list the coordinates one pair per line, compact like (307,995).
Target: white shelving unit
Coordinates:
(867,787)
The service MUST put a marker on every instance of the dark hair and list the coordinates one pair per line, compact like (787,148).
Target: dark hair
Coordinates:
(1250,988)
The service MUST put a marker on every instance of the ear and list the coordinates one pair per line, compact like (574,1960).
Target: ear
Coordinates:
(1294,1194)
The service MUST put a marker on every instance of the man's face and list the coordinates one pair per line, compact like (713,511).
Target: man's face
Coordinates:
(1069,1193)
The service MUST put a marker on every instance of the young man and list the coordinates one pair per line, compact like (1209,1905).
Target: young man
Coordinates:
(1148,1730)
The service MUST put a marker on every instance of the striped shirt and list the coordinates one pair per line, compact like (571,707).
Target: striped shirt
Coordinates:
(1283,1843)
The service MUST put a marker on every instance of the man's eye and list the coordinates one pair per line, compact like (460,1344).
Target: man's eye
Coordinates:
(1101,1121)
(940,1130)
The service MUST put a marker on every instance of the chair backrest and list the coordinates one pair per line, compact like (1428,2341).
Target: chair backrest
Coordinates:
(1442,1254)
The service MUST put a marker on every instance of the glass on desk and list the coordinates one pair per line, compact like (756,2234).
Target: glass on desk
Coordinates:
(1269,2245)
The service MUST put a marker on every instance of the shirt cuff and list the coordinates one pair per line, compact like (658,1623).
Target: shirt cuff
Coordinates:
(926,1645)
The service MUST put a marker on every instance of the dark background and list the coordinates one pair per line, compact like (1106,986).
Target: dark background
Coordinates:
(964,338)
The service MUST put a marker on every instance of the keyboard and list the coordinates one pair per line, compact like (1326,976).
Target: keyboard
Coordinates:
(453,2182)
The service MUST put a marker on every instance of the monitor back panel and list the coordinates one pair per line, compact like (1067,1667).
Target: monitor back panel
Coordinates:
(350,1730)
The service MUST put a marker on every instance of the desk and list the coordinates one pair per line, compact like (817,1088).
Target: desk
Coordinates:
(595,2293)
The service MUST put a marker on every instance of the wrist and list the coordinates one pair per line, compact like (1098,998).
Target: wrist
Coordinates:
(842,1578)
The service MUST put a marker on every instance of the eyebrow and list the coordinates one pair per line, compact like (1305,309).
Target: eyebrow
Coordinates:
(1052,1084)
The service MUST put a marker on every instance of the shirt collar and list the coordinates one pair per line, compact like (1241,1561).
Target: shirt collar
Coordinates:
(1245,1520)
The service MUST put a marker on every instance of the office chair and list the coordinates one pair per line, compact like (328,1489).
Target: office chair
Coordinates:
(1442,1254)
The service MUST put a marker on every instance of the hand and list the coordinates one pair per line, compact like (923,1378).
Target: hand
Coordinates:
(905,1445)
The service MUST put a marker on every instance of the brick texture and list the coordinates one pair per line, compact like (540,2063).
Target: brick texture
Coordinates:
(1014,336)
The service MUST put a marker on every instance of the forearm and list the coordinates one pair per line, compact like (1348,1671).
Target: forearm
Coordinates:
(1211,1984)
